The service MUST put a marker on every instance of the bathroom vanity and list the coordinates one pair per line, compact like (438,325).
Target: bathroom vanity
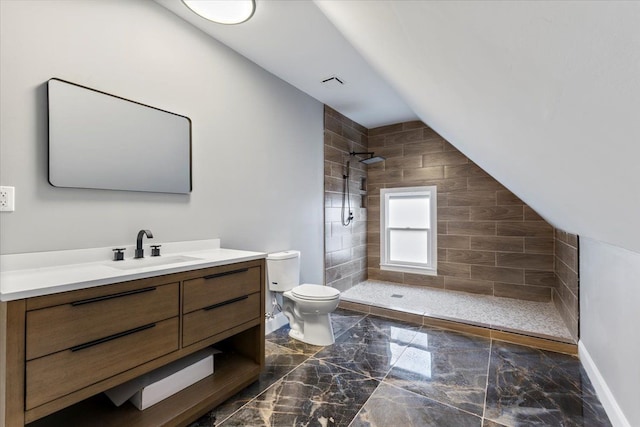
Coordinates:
(62,349)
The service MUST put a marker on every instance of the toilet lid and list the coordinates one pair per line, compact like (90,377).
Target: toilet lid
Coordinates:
(315,292)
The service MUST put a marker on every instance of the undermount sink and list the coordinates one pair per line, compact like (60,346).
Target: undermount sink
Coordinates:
(134,263)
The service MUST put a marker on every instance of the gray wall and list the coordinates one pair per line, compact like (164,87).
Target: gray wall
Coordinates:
(609,318)
(257,141)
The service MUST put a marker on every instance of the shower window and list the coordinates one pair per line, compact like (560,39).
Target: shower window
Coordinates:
(408,229)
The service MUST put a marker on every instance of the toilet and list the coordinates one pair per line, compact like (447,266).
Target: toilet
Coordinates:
(306,306)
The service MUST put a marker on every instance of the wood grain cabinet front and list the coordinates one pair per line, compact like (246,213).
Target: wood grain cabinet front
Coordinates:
(66,371)
(219,317)
(220,286)
(220,301)
(95,316)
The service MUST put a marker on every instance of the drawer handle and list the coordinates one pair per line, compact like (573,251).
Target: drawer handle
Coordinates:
(112,337)
(106,297)
(220,304)
(226,273)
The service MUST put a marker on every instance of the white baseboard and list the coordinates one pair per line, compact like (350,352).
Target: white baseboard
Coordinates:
(615,414)
(278,321)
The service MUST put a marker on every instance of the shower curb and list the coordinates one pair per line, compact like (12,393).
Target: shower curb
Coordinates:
(499,335)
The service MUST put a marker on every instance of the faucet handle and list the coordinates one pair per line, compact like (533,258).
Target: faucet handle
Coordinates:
(118,254)
(155,250)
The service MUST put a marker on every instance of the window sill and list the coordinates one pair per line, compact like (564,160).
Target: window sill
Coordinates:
(407,269)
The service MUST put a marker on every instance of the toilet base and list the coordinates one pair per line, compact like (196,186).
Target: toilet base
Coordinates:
(316,330)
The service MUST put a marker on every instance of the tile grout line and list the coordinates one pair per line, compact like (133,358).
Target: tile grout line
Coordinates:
(449,405)
(346,369)
(356,372)
(381,380)
(308,357)
(364,315)
(365,403)
(342,333)
(415,336)
(289,351)
(421,395)
(270,386)
(486,386)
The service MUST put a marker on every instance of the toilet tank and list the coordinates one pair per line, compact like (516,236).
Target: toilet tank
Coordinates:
(283,270)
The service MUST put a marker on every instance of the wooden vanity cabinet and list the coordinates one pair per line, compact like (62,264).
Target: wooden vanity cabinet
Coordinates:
(86,319)
(62,350)
(219,301)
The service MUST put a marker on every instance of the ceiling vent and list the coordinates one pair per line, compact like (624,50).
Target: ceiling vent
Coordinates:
(333,81)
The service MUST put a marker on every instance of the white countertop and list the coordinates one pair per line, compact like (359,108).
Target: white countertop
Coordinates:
(44,273)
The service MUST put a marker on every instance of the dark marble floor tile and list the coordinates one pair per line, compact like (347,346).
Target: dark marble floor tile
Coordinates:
(342,320)
(430,377)
(314,394)
(279,361)
(282,338)
(370,347)
(380,330)
(454,377)
(390,406)
(445,341)
(536,387)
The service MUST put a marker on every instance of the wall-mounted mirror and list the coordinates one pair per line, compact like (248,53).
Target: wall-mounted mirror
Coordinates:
(102,141)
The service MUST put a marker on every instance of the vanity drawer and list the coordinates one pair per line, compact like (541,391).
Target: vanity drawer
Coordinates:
(219,287)
(64,372)
(218,318)
(58,328)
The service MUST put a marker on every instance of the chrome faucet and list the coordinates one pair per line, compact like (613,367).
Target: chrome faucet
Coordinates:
(139,250)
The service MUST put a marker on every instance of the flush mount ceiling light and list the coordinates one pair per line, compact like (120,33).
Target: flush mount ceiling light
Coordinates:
(223,11)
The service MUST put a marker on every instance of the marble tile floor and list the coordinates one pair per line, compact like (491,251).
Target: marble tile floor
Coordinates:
(533,318)
(383,372)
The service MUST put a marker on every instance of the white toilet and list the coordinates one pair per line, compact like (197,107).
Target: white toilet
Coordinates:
(306,306)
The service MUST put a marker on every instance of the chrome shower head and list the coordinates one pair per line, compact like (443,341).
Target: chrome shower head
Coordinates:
(369,160)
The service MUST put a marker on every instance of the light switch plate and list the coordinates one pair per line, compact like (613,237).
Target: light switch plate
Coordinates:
(7,199)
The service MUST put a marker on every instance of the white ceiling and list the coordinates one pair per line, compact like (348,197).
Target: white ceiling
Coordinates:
(545,96)
(296,42)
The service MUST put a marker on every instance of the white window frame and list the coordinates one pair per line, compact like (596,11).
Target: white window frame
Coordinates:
(431,267)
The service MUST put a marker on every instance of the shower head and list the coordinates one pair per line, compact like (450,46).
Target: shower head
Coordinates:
(369,160)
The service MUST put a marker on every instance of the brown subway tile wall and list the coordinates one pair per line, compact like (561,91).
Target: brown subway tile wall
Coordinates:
(345,247)
(566,292)
(489,241)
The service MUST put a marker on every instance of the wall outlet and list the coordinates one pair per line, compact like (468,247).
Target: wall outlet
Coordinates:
(7,199)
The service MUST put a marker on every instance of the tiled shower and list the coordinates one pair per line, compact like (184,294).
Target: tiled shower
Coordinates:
(489,241)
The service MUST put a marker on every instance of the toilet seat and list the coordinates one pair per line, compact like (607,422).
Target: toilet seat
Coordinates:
(311,292)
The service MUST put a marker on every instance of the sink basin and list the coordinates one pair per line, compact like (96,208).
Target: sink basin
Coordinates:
(133,263)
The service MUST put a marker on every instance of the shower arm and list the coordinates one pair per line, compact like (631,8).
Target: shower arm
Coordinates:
(367,153)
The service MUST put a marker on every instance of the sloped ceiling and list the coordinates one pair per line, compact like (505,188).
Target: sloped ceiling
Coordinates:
(545,96)
(295,41)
